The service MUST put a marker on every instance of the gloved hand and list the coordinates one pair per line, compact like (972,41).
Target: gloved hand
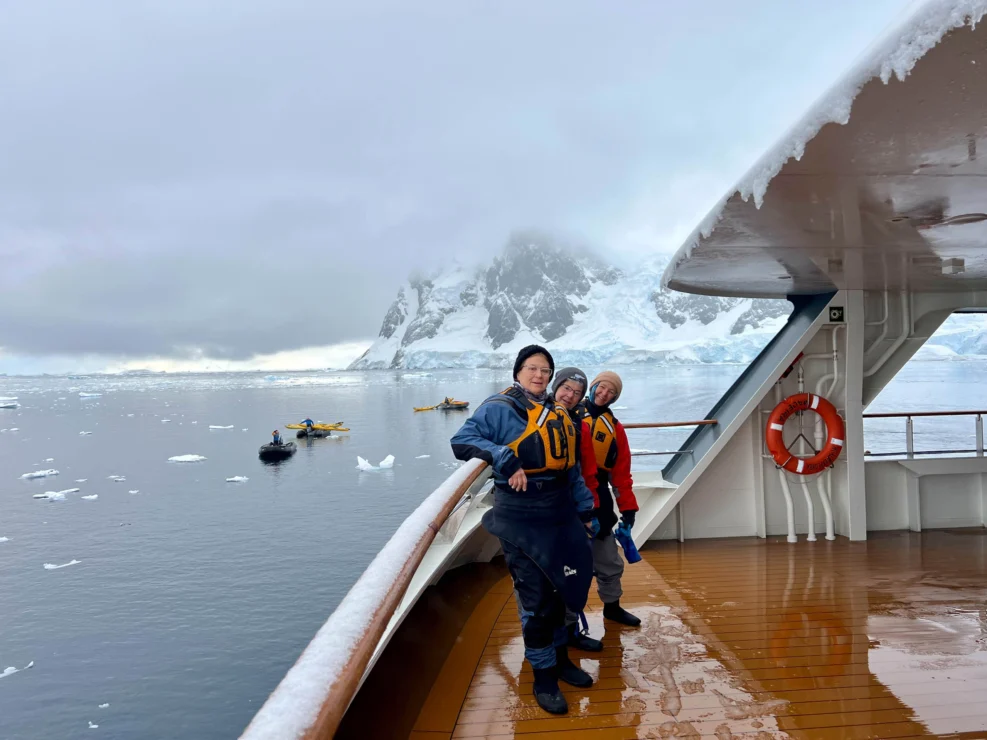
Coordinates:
(593,527)
(628,517)
(624,529)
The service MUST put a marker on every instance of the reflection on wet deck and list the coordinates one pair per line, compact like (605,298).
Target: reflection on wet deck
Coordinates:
(751,639)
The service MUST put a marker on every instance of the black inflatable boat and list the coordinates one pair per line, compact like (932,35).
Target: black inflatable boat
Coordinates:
(274,453)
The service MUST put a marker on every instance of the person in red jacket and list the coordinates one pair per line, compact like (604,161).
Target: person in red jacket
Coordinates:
(614,486)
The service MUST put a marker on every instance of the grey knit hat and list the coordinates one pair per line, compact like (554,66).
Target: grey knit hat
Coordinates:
(569,373)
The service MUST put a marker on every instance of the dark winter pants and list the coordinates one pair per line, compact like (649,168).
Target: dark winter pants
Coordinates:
(608,566)
(541,607)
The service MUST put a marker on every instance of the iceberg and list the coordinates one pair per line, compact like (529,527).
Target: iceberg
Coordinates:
(38,473)
(52,566)
(9,405)
(385,464)
(187,458)
(91,497)
(11,670)
(90,395)
(214,426)
(238,479)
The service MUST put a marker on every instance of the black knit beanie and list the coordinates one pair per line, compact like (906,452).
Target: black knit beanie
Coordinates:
(526,352)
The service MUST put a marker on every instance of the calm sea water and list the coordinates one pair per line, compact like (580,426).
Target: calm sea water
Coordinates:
(193,596)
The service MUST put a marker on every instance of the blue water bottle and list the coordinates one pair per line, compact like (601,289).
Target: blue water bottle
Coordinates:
(623,535)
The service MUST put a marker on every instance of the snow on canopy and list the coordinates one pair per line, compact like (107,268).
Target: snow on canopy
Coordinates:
(894,55)
(294,706)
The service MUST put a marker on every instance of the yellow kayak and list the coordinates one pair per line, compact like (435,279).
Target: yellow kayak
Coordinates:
(334,427)
(445,406)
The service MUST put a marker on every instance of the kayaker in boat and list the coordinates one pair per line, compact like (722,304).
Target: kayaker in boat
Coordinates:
(568,390)
(309,424)
(530,442)
(614,485)
(276,437)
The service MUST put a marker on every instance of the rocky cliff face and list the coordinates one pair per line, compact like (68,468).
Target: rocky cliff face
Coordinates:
(576,305)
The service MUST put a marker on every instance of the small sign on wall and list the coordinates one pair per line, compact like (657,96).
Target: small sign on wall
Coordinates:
(836,314)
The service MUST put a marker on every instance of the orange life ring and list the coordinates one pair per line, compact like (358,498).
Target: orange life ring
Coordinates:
(835,434)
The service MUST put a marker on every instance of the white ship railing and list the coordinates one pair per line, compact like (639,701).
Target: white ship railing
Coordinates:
(910,452)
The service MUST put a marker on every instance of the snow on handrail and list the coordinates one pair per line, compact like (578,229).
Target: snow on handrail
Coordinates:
(313,696)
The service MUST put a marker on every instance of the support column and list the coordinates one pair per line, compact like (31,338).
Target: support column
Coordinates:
(856,492)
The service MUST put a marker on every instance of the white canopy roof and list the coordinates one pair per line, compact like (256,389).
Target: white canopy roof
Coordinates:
(883,184)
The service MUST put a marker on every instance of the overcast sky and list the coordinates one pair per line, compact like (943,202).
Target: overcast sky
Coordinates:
(176,176)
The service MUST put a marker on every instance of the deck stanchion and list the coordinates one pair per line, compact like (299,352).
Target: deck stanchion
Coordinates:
(980,435)
(909,438)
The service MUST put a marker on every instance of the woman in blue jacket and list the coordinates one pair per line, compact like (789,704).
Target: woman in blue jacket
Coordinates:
(542,514)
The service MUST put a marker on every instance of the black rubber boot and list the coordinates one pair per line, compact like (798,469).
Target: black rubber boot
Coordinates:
(580,641)
(616,613)
(547,692)
(569,671)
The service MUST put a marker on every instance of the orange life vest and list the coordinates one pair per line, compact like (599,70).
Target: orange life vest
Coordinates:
(548,442)
(603,432)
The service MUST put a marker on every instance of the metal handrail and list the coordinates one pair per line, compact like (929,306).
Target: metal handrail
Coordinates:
(910,451)
(903,414)
(666,424)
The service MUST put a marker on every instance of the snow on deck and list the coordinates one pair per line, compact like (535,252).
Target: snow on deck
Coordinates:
(894,55)
(294,706)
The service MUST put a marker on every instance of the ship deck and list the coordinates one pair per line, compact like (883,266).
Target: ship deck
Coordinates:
(742,638)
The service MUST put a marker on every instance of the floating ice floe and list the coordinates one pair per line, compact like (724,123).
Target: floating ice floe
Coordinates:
(129,415)
(618,408)
(422,457)
(117,478)
(387,462)
(636,451)
(5,399)
(48,459)
(4,539)
(193,422)
(216,426)
(10,405)
(244,430)
(166,421)
(92,726)
(91,497)
(187,458)
(84,434)
(89,395)
(238,479)
(11,670)
(52,566)
(56,495)
(103,706)
(81,480)
(134,491)
(13,429)
(38,474)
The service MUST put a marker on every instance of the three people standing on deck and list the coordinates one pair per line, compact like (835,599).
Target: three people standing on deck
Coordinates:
(543,514)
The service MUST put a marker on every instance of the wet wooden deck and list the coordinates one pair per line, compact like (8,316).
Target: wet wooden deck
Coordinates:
(749,639)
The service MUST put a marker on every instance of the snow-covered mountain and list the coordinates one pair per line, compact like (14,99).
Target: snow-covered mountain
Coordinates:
(585,311)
